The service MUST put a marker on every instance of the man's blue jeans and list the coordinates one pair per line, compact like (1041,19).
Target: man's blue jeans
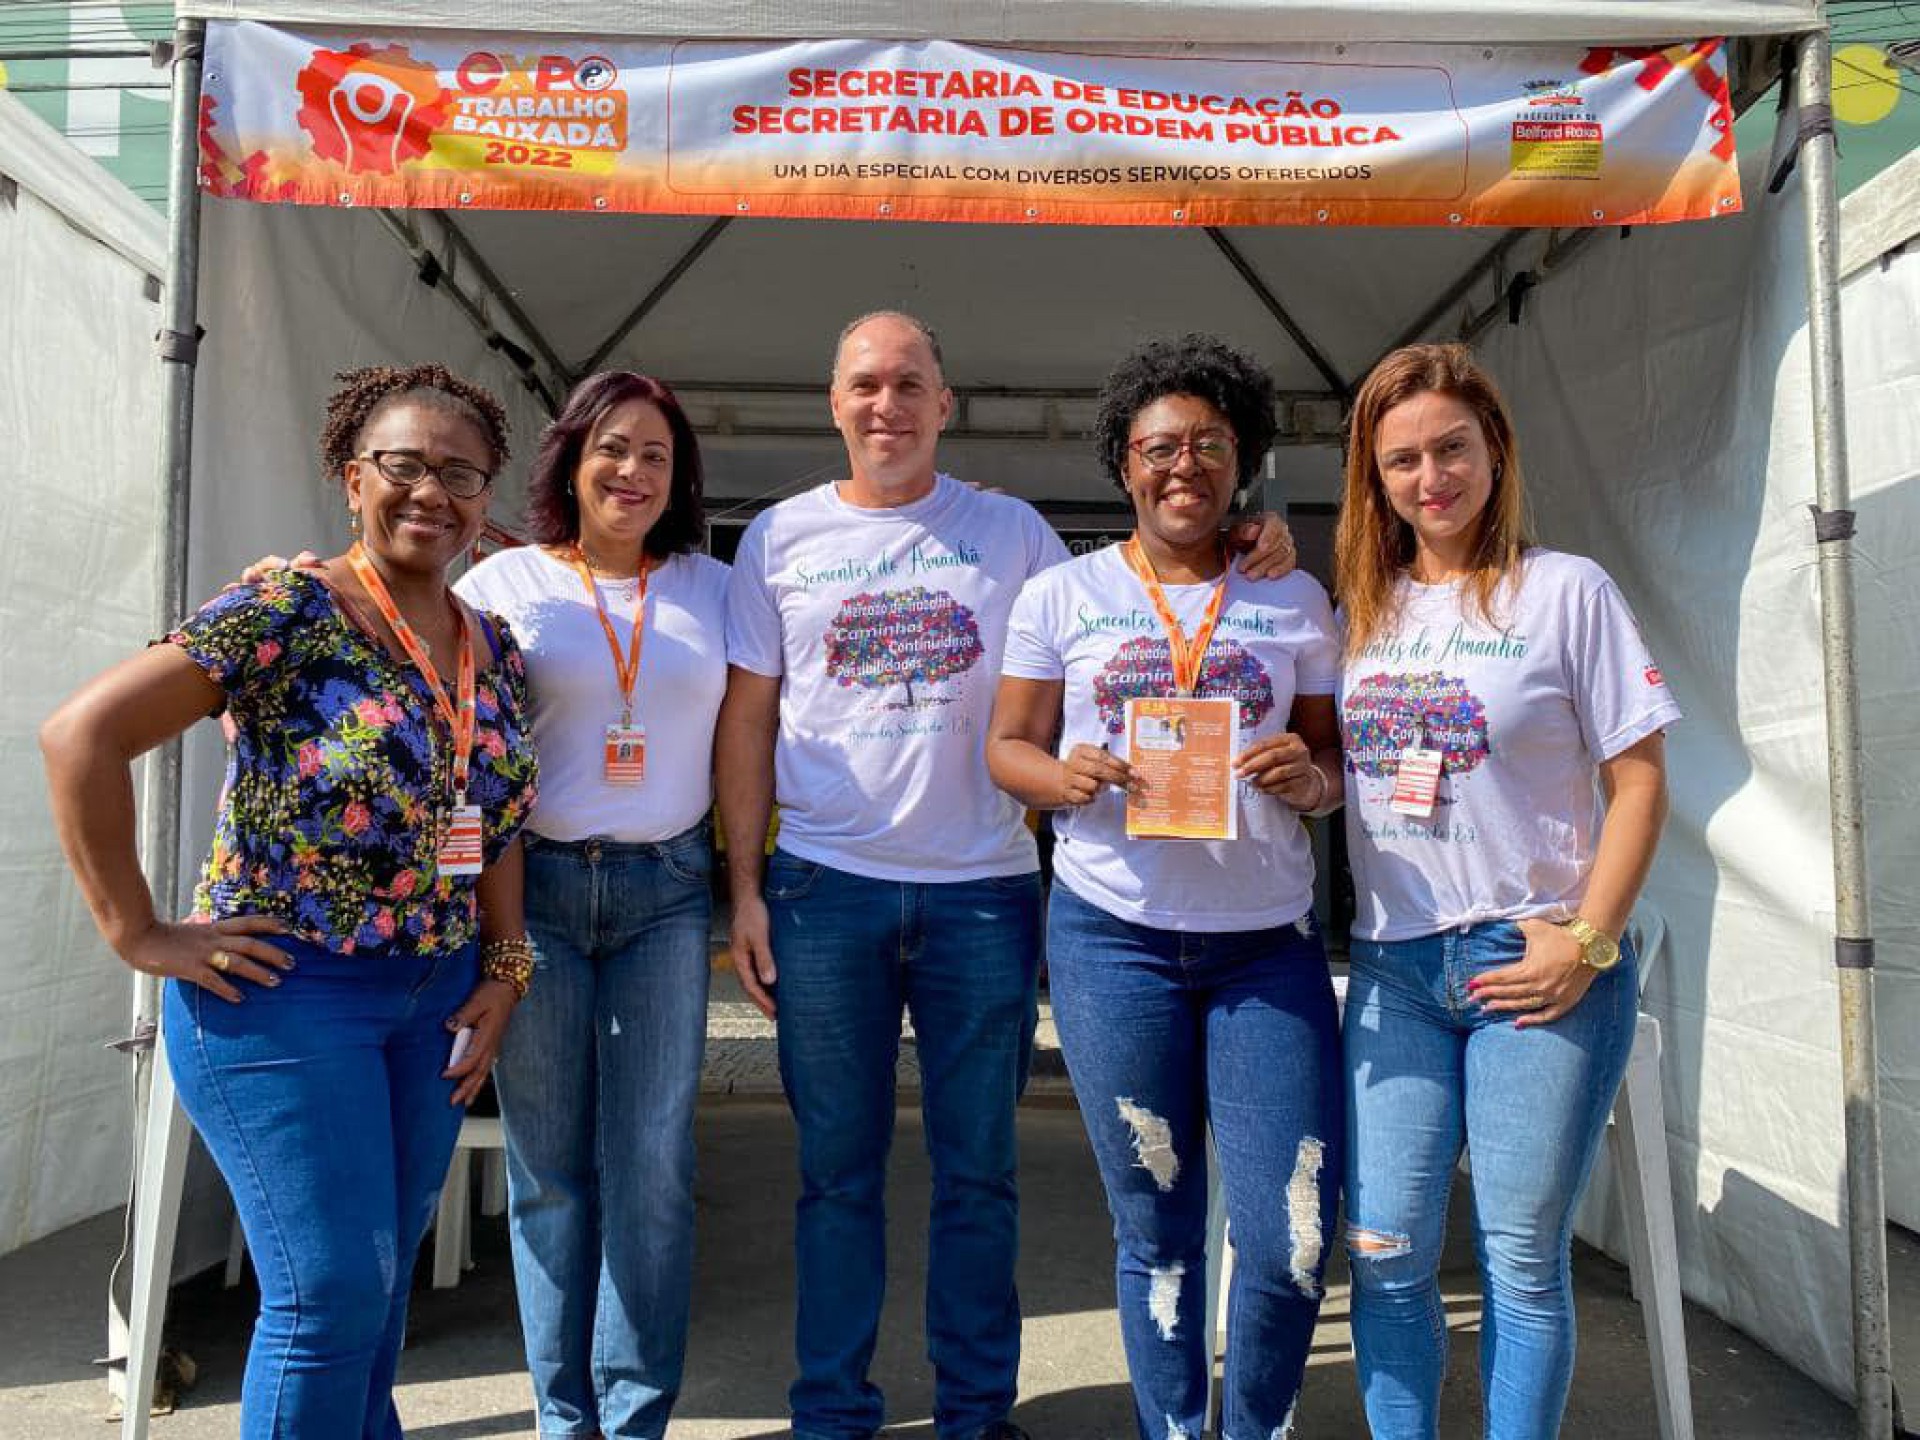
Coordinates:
(961,958)
(321,1102)
(1429,1070)
(1166,1033)
(598,1081)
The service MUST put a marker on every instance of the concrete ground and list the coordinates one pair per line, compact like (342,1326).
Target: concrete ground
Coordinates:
(462,1377)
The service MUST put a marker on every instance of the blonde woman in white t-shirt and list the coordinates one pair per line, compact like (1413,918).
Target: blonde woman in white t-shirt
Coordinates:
(1493,693)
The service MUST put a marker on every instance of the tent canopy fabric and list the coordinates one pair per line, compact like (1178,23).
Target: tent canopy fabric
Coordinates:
(1036,21)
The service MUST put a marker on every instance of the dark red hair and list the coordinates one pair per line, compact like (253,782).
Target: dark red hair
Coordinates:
(553,510)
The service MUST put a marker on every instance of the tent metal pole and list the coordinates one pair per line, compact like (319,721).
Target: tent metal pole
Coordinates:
(178,344)
(433,274)
(1853,942)
(1454,293)
(1264,294)
(653,297)
(496,288)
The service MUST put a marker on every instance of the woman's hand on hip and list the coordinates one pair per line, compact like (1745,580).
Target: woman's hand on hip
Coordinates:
(487,1009)
(212,956)
(1544,984)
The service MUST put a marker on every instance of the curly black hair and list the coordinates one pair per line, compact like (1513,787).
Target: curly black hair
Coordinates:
(1207,368)
(364,392)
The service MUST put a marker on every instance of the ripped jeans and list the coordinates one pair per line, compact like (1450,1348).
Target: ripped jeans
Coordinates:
(1427,1071)
(1167,1033)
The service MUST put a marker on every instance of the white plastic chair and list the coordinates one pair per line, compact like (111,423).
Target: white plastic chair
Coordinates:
(453,1227)
(1637,1140)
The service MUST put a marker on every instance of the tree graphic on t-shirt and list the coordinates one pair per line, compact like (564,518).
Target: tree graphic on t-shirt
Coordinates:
(901,637)
(1387,714)
(1143,667)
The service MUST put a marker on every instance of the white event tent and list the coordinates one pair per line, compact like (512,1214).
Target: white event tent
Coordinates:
(1678,393)
(80,405)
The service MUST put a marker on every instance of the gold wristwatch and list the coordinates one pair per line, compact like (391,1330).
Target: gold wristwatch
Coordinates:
(1597,948)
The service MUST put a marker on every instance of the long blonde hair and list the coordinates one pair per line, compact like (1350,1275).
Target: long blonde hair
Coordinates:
(1373,546)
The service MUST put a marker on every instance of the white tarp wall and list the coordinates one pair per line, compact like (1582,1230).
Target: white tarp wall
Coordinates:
(1880,317)
(1664,404)
(79,410)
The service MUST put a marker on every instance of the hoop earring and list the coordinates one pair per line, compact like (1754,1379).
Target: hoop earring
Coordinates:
(353,522)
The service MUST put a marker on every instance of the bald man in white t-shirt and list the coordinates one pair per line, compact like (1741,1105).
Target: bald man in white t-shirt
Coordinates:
(865,624)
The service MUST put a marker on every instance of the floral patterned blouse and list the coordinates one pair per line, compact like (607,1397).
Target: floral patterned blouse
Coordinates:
(339,776)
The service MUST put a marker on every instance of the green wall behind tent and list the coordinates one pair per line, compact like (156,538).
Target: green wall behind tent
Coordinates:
(113,118)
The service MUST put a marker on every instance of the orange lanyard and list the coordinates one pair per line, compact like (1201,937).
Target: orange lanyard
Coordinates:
(1188,652)
(626,668)
(459,716)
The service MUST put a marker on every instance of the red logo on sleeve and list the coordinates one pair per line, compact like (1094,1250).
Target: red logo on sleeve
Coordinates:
(1654,676)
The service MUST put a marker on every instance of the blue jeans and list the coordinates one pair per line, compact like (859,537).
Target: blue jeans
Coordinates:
(1167,1033)
(1428,1070)
(598,1080)
(321,1102)
(962,959)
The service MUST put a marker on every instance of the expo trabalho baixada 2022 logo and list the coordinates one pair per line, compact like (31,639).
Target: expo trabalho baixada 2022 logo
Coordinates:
(371,109)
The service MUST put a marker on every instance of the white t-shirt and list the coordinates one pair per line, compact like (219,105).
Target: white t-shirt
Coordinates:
(1524,710)
(887,626)
(1090,624)
(576,695)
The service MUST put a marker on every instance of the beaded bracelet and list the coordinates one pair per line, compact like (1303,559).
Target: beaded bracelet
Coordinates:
(509,961)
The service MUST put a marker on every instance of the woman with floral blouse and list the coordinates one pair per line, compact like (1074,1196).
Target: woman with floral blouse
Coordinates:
(331,1004)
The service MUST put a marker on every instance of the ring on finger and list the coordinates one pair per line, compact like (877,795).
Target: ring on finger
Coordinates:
(221,960)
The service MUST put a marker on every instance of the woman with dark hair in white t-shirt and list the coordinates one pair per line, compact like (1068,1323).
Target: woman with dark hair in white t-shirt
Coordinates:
(1188,977)
(622,621)
(1492,692)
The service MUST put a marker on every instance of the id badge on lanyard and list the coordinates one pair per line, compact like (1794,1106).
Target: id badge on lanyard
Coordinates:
(626,754)
(461,849)
(1416,784)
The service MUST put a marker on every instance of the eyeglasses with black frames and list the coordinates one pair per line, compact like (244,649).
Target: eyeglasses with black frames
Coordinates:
(409,468)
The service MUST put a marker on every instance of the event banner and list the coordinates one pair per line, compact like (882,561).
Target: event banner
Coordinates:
(933,130)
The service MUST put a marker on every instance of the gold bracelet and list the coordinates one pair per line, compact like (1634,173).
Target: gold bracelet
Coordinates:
(510,962)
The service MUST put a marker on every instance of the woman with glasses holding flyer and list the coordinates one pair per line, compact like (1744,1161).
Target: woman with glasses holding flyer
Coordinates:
(622,624)
(331,1006)
(1494,692)
(1195,721)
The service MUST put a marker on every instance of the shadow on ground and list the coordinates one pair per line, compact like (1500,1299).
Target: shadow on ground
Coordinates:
(462,1377)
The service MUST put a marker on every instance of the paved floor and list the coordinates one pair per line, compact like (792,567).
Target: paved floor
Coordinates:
(462,1375)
